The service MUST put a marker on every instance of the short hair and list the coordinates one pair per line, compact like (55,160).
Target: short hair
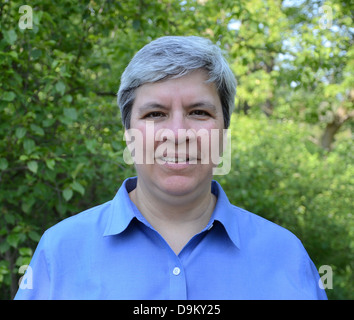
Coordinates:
(172,57)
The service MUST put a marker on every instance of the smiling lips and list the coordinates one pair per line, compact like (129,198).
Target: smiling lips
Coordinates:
(178,159)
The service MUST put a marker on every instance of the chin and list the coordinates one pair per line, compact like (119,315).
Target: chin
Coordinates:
(180,185)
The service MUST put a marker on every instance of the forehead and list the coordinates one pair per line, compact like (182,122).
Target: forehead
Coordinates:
(186,90)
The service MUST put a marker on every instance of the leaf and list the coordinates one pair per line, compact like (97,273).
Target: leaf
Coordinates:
(60,87)
(50,163)
(4,246)
(27,204)
(90,145)
(33,166)
(25,251)
(67,194)
(13,239)
(37,130)
(8,96)
(10,218)
(70,113)
(61,207)
(68,98)
(23,157)
(20,132)
(33,235)
(78,187)
(48,122)
(77,170)
(36,53)
(29,146)
(10,36)
(3,164)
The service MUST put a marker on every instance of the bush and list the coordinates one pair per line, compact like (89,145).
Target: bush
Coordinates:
(278,173)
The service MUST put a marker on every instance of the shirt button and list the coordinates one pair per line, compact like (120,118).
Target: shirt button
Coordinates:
(176,271)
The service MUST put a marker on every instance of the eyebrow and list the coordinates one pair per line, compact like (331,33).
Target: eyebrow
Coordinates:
(153,106)
(204,105)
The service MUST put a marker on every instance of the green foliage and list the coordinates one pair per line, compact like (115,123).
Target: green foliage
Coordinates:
(61,139)
(280,174)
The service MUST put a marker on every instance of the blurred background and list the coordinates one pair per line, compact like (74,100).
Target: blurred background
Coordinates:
(61,137)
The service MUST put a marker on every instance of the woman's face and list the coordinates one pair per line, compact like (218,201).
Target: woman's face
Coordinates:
(181,122)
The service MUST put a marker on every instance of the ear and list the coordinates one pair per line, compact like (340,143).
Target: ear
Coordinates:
(126,135)
(128,150)
(129,135)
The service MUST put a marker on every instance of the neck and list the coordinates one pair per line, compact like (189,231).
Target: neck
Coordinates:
(177,219)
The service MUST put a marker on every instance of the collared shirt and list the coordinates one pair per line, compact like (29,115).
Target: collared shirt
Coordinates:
(112,252)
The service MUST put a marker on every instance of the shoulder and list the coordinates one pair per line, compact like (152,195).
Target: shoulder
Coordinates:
(277,255)
(88,223)
(258,232)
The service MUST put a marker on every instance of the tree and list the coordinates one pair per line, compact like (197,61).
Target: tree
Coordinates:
(320,65)
(61,139)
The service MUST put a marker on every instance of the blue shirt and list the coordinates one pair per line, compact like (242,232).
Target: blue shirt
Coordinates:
(112,252)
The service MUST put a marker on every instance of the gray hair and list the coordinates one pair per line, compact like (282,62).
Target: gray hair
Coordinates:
(172,57)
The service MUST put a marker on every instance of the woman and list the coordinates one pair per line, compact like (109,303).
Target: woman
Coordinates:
(170,232)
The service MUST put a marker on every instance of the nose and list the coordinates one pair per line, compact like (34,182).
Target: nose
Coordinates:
(175,128)
(178,125)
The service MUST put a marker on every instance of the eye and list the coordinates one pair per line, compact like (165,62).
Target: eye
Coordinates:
(200,113)
(154,115)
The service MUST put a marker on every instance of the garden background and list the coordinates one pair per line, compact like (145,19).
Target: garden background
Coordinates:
(61,137)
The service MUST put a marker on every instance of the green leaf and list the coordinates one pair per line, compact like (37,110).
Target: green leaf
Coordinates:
(10,36)
(4,246)
(68,98)
(77,169)
(29,146)
(33,166)
(3,164)
(8,96)
(50,163)
(36,53)
(20,132)
(27,204)
(37,130)
(61,207)
(70,113)
(23,157)
(13,239)
(10,218)
(91,145)
(48,122)
(25,251)
(60,87)
(33,235)
(78,187)
(67,194)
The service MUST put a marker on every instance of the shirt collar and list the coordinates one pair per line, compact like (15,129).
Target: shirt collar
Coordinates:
(122,211)
(225,213)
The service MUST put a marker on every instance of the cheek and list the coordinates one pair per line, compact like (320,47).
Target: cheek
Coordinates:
(138,142)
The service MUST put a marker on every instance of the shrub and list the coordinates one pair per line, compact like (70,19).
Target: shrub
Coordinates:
(280,174)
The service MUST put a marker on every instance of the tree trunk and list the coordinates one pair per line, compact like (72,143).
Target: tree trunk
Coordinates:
(328,135)
(341,116)
(268,108)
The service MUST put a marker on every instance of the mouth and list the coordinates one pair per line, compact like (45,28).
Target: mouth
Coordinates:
(178,159)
